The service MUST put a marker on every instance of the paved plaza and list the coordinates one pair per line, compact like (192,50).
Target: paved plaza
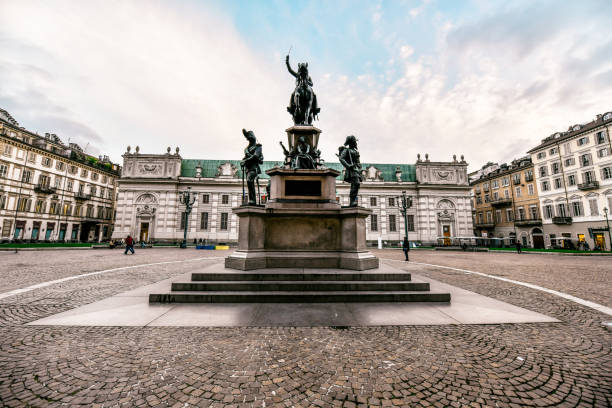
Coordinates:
(565,363)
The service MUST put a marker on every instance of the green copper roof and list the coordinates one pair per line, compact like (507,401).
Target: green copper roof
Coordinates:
(209,168)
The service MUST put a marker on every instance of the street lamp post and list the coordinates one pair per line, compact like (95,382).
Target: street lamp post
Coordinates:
(187,198)
(404,205)
(608,225)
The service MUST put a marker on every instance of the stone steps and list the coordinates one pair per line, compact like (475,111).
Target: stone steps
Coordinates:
(300,275)
(301,286)
(297,297)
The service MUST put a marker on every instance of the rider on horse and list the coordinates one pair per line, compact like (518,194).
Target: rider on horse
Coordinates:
(305,112)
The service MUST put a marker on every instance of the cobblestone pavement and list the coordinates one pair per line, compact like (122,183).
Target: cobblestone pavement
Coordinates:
(552,364)
(587,277)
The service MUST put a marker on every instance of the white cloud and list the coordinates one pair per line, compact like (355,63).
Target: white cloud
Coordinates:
(139,74)
(155,74)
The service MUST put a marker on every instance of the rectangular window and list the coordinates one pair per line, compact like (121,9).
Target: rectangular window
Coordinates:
(391,202)
(498,217)
(224,221)
(571,180)
(541,155)
(588,177)
(556,168)
(606,173)
(204,221)
(3,202)
(553,151)
(557,182)
(495,184)
(92,190)
(3,170)
(561,210)
(374,222)
(509,214)
(529,175)
(32,157)
(593,206)
(372,201)
(478,199)
(601,137)
(576,209)
(27,176)
(67,209)
(84,173)
(94,176)
(603,152)
(8,150)
(410,220)
(505,181)
(545,186)
(516,178)
(480,218)
(6,228)
(570,162)
(518,191)
(58,182)
(548,211)
(47,162)
(530,189)
(521,213)
(582,141)
(543,171)
(205,198)
(392,223)
(506,194)
(534,212)
(224,199)
(73,169)
(59,165)
(586,160)
(489,217)
(23,204)
(495,195)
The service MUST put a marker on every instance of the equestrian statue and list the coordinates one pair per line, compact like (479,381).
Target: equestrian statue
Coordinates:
(303,104)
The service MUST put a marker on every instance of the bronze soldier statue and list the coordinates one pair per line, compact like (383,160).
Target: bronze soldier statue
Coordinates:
(303,105)
(349,157)
(253,158)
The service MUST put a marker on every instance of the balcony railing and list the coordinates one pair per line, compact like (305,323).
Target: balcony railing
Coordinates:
(82,196)
(593,185)
(527,222)
(484,225)
(44,189)
(501,202)
(562,220)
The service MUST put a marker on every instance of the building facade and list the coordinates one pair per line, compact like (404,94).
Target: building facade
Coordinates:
(574,182)
(506,205)
(50,191)
(149,207)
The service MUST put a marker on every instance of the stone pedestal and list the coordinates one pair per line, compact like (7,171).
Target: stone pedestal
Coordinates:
(311,134)
(302,226)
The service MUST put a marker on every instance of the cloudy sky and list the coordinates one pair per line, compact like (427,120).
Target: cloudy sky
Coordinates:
(487,79)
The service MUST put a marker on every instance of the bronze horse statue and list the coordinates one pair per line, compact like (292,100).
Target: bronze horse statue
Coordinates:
(303,104)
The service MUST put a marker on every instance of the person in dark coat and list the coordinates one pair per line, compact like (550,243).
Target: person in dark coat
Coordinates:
(518,247)
(129,245)
(406,247)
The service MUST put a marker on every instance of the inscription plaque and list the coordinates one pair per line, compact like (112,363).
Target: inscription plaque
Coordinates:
(310,188)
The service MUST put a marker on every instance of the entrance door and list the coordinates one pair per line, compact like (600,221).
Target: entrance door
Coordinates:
(48,234)
(144,231)
(34,233)
(446,233)
(17,234)
(600,241)
(538,238)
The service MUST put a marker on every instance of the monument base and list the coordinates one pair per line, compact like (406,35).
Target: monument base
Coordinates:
(251,260)
(274,237)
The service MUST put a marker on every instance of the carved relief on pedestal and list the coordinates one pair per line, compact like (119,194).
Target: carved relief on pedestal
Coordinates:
(227,170)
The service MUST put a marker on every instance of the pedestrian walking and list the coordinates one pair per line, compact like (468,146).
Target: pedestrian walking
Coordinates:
(518,247)
(129,245)
(406,247)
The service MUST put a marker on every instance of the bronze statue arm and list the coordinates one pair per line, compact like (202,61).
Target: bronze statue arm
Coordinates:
(292,72)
